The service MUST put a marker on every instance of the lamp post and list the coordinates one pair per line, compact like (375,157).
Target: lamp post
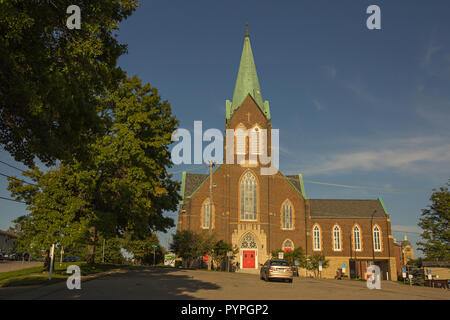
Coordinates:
(371,230)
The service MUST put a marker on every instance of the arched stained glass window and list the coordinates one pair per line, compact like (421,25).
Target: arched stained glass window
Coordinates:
(287,216)
(336,238)
(288,245)
(248,242)
(249,197)
(316,238)
(376,238)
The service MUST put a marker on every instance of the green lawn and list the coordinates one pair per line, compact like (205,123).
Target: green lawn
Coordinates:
(34,276)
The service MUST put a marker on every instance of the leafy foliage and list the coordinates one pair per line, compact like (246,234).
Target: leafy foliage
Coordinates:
(312,263)
(435,223)
(290,256)
(191,246)
(142,249)
(122,188)
(51,77)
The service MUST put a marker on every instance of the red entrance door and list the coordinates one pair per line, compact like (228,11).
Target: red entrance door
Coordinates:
(248,259)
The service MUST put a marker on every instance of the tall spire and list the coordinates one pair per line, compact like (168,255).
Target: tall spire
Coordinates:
(247,82)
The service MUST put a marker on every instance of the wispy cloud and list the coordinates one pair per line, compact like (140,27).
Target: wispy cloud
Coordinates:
(430,50)
(330,71)
(317,104)
(359,89)
(407,229)
(412,155)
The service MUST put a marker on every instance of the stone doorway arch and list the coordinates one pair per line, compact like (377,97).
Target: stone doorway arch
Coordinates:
(248,252)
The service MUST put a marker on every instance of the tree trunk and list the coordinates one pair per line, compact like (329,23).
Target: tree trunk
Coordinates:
(91,245)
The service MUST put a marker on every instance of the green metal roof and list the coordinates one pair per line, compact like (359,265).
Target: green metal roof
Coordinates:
(247,83)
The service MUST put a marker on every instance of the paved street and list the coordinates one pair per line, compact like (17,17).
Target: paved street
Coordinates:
(147,283)
(17,265)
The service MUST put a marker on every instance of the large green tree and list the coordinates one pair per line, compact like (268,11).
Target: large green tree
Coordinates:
(122,187)
(192,246)
(51,77)
(435,223)
(143,250)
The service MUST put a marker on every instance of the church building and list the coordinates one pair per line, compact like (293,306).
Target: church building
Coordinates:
(262,213)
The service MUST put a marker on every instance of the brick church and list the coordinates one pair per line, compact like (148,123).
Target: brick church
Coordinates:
(262,213)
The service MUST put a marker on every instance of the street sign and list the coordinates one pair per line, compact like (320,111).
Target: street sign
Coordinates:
(281,255)
(430,277)
(154,246)
(296,262)
(343,268)
(320,266)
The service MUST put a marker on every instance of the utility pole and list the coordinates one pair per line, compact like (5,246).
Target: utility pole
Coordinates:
(103,254)
(52,257)
(211,165)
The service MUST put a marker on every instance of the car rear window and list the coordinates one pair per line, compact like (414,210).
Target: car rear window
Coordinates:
(280,263)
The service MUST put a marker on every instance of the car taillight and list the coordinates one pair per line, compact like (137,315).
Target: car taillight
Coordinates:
(271,269)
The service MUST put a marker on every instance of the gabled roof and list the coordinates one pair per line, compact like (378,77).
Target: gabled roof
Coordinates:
(297,183)
(247,83)
(192,182)
(336,208)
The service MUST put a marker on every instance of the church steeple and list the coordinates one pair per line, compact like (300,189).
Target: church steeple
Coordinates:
(247,82)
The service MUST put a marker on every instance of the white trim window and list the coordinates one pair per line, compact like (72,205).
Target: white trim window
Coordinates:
(316,238)
(249,197)
(241,140)
(206,214)
(255,141)
(337,238)
(376,238)
(356,238)
(287,216)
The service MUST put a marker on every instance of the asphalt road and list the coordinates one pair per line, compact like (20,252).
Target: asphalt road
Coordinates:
(148,283)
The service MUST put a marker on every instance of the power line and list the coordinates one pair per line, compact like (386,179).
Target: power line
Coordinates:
(5,175)
(9,165)
(363,187)
(3,198)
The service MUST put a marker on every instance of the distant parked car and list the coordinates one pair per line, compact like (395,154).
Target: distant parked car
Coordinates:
(71,259)
(13,256)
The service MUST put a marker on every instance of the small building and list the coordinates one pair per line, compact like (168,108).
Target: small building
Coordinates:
(7,240)
(403,252)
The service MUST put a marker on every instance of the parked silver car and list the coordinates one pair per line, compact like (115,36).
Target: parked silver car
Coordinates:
(276,269)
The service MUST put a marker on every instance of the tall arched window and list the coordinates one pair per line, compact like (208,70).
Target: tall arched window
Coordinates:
(376,238)
(249,197)
(336,238)
(287,216)
(207,213)
(241,140)
(255,141)
(356,238)
(316,238)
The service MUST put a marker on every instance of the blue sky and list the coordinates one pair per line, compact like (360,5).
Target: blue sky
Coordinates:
(354,106)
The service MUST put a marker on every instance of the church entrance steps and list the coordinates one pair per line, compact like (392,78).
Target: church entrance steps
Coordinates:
(248,270)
